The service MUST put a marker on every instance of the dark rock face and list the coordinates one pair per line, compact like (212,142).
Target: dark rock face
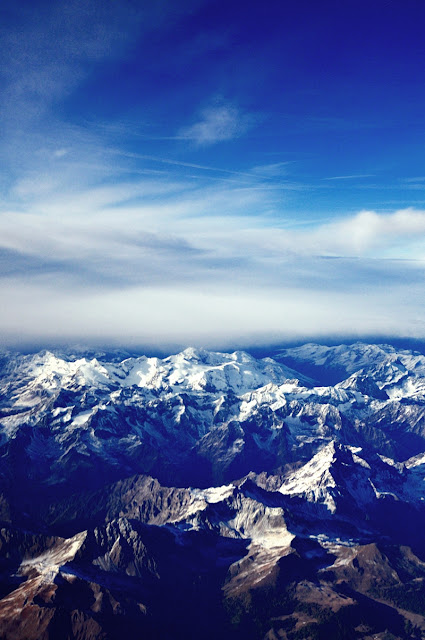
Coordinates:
(212,495)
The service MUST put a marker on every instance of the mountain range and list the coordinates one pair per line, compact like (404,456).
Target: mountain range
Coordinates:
(207,495)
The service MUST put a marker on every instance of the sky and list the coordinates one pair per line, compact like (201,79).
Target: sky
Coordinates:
(209,172)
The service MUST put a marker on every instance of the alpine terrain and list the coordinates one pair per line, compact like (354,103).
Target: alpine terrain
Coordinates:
(213,495)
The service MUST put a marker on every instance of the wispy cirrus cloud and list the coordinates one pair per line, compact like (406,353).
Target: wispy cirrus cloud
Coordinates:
(357,176)
(217,124)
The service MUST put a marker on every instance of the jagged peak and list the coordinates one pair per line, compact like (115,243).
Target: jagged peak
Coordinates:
(326,472)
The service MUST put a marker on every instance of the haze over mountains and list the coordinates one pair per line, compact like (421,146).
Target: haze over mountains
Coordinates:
(211,494)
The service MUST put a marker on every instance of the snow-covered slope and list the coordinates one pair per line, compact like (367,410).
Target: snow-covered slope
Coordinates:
(192,370)
(343,479)
(396,370)
(202,417)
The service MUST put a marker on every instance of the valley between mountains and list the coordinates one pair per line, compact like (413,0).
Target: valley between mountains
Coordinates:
(213,495)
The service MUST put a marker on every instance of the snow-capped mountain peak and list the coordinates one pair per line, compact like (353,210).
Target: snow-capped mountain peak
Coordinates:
(333,474)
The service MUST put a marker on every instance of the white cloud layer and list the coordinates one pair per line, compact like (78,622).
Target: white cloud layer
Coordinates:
(167,262)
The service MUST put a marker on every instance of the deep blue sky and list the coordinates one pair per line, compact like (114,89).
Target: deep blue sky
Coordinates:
(211,172)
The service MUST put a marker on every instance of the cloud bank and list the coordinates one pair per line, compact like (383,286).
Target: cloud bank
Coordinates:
(155,261)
